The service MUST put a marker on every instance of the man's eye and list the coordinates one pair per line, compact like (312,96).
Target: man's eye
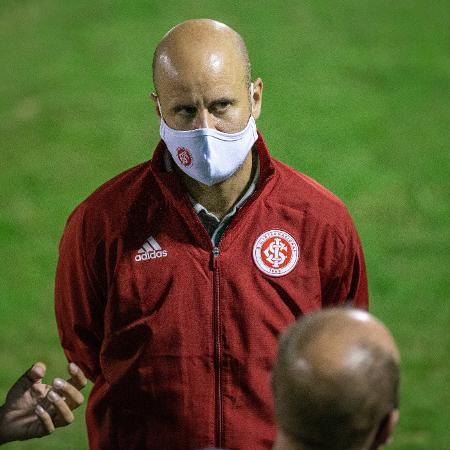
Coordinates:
(221,106)
(188,111)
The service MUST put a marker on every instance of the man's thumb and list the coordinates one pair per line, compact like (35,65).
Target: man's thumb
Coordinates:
(36,372)
(33,375)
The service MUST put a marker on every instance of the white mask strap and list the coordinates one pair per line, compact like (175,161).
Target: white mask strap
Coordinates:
(159,107)
(252,91)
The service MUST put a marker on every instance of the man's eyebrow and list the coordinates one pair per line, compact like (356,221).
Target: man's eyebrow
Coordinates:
(180,106)
(223,100)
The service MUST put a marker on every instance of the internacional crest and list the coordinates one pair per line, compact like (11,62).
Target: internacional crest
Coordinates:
(275,253)
(184,156)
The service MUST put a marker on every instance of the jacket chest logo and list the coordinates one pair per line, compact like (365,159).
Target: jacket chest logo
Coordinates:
(275,253)
(150,250)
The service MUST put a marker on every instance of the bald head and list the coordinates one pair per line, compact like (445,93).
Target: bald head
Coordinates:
(199,43)
(336,379)
(201,74)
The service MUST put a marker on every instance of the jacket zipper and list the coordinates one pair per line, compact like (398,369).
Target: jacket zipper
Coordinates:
(217,337)
(217,348)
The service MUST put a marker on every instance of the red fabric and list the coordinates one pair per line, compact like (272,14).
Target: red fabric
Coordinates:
(180,348)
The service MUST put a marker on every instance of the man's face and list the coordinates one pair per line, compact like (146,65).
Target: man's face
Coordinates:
(204,89)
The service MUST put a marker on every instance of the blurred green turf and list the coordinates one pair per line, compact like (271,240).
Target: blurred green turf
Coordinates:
(357,95)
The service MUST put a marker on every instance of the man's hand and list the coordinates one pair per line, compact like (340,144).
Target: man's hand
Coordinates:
(33,409)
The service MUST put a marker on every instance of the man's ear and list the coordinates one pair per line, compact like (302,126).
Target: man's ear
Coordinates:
(386,429)
(257,98)
(154,97)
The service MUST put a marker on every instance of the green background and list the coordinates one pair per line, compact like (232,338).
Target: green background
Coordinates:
(357,95)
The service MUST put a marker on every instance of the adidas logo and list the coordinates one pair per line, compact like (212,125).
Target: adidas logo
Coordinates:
(150,250)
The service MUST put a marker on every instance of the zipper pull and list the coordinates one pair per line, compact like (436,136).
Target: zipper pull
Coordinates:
(215,255)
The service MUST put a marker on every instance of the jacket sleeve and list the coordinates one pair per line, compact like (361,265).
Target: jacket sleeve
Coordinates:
(79,296)
(348,284)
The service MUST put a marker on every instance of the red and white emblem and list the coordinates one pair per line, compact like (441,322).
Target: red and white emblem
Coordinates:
(275,253)
(184,156)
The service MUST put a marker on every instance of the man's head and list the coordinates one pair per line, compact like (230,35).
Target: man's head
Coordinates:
(202,78)
(336,382)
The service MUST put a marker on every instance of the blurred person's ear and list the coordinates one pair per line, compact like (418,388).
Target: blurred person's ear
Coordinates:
(386,430)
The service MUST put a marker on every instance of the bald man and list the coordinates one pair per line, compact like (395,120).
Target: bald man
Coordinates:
(336,383)
(175,277)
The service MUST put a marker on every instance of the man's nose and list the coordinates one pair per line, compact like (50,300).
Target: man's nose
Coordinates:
(203,119)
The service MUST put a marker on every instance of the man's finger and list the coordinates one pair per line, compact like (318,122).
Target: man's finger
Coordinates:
(39,390)
(78,378)
(45,418)
(73,397)
(36,372)
(32,376)
(64,415)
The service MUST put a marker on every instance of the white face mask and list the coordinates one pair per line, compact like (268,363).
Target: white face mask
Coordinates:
(209,156)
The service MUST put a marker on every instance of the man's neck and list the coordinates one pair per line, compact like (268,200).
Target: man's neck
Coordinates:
(220,198)
(283,442)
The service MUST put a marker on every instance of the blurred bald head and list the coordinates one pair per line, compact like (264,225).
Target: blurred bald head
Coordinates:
(197,44)
(336,381)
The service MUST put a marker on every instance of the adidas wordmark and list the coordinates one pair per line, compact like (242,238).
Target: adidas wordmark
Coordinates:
(150,250)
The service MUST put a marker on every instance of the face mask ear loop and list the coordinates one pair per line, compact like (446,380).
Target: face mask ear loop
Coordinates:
(159,107)
(252,91)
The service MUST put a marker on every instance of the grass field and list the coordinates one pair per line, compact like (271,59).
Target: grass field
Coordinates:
(357,95)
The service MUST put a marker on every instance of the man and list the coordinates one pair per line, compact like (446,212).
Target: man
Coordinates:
(336,383)
(33,409)
(175,277)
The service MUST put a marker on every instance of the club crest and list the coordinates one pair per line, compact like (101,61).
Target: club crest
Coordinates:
(184,156)
(275,253)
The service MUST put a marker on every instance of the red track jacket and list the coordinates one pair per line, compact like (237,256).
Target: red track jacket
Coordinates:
(179,337)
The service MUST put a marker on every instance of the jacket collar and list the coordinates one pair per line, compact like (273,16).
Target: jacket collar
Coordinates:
(173,191)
